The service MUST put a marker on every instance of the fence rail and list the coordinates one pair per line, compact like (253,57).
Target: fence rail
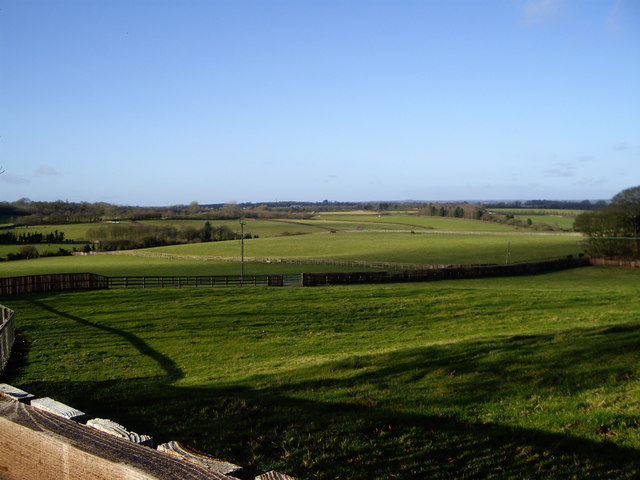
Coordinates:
(52,283)
(88,281)
(7,335)
(444,273)
(204,281)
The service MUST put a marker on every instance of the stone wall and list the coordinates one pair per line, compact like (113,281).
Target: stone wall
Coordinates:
(40,441)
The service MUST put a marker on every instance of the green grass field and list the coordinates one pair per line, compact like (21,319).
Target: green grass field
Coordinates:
(277,227)
(424,248)
(411,222)
(124,265)
(539,211)
(395,247)
(510,378)
(553,220)
(74,231)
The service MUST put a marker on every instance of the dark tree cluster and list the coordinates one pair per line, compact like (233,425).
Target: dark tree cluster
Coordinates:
(11,238)
(28,252)
(549,204)
(614,231)
(124,237)
(455,210)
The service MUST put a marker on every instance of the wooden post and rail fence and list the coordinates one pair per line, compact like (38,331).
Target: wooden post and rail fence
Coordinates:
(10,286)
(7,335)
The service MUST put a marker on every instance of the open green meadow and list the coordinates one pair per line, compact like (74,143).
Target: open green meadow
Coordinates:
(419,248)
(127,265)
(284,227)
(409,222)
(424,248)
(565,223)
(562,218)
(72,231)
(565,212)
(509,378)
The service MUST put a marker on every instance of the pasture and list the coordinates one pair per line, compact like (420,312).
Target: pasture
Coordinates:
(562,218)
(123,265)
(510,378)
(424,248)
(280,227)
(407,222)
(560,221)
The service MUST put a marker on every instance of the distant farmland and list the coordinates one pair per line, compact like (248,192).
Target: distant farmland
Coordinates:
(436,248)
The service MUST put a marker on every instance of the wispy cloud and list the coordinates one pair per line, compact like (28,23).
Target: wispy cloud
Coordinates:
(623,17)
(591,181)
(539,11)
(621,147)
(561,170)
(330,178)
(46,171)
(12,179)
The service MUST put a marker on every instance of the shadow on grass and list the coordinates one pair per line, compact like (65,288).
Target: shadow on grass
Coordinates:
(306,424)
(173,372)
(348,419)
(326,440)
(472,372)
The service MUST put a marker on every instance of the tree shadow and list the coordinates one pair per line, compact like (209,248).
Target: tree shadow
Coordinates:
(484,370)
(263,430)
(283,423)
(295,423)
(173,372)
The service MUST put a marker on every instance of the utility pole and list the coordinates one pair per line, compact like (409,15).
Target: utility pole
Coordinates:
(241,251)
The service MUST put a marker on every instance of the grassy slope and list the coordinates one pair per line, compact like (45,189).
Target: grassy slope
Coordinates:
(504,378)
(270,228)
(394,247)
(540,211)
(560,221)
(405,222)
(384,247)
(121,265)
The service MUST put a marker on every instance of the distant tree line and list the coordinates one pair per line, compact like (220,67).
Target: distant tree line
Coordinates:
(11,238)
(464,210)
(28,212)
(549,204)
(27,252)
(614,231)
(124,237)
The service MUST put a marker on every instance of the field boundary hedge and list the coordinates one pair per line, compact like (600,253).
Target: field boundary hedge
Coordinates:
(606,262)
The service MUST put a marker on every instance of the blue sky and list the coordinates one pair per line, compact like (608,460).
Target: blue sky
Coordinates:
(157,102)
